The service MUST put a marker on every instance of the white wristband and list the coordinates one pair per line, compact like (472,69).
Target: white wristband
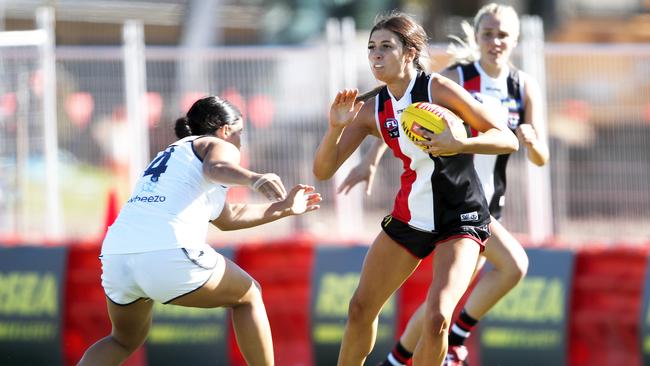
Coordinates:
(263,179)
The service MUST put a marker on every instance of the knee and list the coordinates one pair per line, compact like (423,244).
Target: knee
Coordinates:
(436,322)
(520,267)
(131,341)
(257,286)
(254,294)
(517,268)
(359,311)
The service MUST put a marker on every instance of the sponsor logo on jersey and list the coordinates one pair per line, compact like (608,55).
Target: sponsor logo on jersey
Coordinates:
(155,198)
(392,127)
(469,216)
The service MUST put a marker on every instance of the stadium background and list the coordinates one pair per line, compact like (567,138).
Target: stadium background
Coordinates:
(89,92)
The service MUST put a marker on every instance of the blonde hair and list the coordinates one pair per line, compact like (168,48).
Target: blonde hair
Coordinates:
(466,51)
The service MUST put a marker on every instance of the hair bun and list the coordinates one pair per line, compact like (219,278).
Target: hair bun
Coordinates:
(182,128)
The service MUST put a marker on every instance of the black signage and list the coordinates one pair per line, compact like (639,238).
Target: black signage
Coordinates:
(336,275)
(31,300)
(188,336)
(529,325)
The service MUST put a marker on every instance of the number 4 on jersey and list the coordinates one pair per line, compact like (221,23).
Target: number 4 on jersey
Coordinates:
(158,165)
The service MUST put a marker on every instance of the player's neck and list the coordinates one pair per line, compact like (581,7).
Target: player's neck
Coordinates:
(398,86)
(493,70)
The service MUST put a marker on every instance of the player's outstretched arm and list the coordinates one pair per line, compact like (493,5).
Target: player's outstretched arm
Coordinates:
(301,199)
(221,163)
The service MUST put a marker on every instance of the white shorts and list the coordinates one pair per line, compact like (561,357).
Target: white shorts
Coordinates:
(161,275)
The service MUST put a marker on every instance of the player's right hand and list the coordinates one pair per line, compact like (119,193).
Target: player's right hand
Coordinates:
(344,109)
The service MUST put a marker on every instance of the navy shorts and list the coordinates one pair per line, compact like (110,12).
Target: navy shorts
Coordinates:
(422,243)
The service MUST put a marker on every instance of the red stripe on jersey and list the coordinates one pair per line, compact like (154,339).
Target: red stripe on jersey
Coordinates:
(473,85)
(401,207)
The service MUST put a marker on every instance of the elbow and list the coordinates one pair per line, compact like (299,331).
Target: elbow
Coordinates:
(514,144)
(540,161)
(321,174)
(510,144)
(223,226)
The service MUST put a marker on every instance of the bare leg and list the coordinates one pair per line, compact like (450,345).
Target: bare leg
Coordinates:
(237,289)
(386,267)
(453,267)
(510,264)
(411,335)
(131,324)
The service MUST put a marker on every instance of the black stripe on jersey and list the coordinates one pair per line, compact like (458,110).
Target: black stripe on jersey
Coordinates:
(514,91)
(499,185)
(420,91)
(453,182)
(469,71)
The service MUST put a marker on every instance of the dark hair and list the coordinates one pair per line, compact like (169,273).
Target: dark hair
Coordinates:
(408,30)
(206,116)
(369,94)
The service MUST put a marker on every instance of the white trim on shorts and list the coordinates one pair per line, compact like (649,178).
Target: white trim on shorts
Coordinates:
(161,275)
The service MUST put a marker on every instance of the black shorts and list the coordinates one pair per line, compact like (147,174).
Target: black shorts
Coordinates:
(422,243)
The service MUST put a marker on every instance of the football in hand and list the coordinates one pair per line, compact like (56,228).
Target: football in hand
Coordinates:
(430,117)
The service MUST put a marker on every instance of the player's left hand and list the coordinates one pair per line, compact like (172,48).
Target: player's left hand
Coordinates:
(526,134)
(443,143)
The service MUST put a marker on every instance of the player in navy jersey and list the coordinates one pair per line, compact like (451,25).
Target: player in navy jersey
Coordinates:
(440,204)
(156,250)
(515,96)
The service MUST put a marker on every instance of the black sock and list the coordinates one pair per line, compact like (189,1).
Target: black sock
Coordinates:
(398,356)
(461,329)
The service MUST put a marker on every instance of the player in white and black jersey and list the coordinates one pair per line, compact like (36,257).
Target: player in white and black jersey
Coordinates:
(515,97)
(440,205)
(156,250)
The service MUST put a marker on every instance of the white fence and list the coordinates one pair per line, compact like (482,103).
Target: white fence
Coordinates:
(598,114)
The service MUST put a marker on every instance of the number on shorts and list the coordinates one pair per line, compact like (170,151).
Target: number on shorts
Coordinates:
(158,165)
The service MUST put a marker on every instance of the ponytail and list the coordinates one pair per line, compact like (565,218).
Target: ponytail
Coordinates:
(369,94)
(463,51)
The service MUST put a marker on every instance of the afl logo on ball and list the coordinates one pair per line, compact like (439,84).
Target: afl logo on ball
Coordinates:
(392,127)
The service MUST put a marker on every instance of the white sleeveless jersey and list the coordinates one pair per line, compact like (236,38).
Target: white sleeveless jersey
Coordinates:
(171,206)
(503,97)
